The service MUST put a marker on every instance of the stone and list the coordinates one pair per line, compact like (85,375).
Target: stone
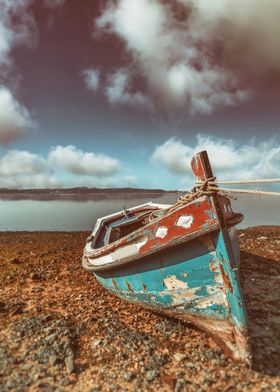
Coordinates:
(53,359)
(128,376)
(37,289)
(69,363)
(151,375)
(179,357)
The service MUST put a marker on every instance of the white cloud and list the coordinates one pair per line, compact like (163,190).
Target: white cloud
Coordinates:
(171,55)
(63,166)
(30,182)
(14,117)
(22,169)
(173,155)
(229,159)
(21,162)
(199,54)
(17,27)
(78,162)
(92,79)
(118,91)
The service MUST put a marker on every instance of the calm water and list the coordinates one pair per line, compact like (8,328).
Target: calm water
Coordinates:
(73,215)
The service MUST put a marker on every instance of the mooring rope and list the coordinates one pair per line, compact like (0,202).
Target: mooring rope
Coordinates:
(240,182)
(246,191)
(208,187)
(195,193)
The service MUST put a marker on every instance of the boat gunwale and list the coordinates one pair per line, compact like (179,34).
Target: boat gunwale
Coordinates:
(186,238)
(113,245)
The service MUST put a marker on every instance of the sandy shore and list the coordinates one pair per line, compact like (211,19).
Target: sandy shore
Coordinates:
(61,331)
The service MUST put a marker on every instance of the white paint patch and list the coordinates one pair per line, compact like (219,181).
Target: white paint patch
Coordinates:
(218,278)
(162,232)
(172,283)
(118,254)
(185,221)
(217,299)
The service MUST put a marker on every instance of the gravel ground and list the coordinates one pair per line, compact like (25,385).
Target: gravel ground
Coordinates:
(61,331)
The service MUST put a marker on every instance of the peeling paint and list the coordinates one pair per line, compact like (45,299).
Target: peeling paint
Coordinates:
(128,286)
(185,221)
(172,283)
(115,284)
(161,232)
(226,279)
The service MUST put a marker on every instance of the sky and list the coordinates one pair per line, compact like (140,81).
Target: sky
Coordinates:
(123,93)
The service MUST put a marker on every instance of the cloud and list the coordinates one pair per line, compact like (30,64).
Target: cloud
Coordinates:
(62,166)
(247,30)
(170,54)
(22,169)
(92,79)
(229,159)
(17,27)
(199,54)
(118,91)
(78,162)
(14,117)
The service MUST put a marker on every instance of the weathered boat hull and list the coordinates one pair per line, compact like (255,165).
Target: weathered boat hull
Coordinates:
(196,282)
(183,263)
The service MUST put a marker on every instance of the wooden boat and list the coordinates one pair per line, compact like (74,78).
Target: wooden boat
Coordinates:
(180,260)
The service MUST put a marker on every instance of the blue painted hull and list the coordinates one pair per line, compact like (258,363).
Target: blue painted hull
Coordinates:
(196,281)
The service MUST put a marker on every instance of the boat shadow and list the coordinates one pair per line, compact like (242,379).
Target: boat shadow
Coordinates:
(260,280)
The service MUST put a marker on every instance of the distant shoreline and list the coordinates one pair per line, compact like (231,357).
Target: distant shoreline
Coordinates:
(81,193)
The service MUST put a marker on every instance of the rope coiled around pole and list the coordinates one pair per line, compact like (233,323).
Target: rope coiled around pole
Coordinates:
(209,188)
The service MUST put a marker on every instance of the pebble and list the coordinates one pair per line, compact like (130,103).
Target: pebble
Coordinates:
(180,384)
(179,357)
(37,289)
(151,375)
(69,363)
(128,376)
(53,359)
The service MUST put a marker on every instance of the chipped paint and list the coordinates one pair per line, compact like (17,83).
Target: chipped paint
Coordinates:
(172,283)
(215,299)
(115,284)
(128,286)
(226,279)
(161,232)
(185,221)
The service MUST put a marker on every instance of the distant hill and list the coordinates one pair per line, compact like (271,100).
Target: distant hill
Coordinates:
(80,190)
(80,193)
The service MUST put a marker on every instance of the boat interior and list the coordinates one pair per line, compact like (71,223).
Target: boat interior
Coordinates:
(122,224)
